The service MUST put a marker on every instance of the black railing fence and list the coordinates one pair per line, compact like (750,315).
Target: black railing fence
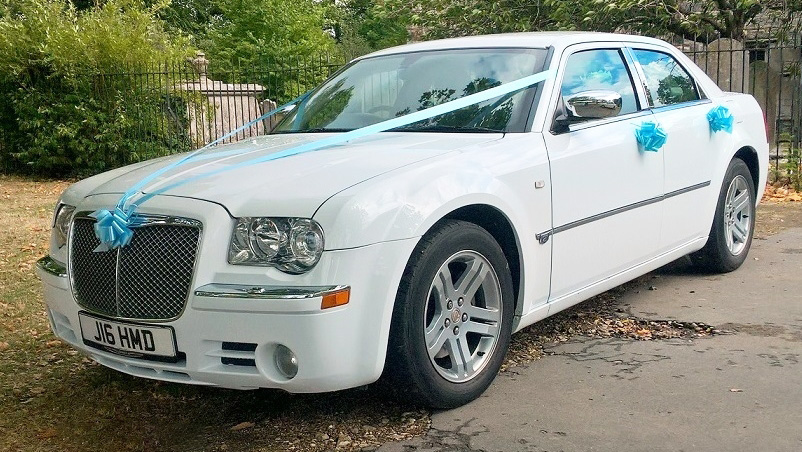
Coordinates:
(192,104)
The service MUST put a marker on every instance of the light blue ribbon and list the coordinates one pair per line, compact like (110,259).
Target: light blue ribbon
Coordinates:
(123,214)
(113,228)
(720,118)
(651,136)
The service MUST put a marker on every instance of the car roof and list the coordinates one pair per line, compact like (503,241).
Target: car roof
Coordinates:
(556,39)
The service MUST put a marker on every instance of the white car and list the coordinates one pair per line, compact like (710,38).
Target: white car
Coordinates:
(417,250)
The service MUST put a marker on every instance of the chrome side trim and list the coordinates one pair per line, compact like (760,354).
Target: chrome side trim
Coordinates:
(543,237)
(52,266)
(265,292)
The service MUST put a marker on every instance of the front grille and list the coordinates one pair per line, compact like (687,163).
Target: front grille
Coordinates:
(149,279)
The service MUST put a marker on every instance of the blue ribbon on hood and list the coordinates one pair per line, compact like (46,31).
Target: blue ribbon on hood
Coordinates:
(720,118)
(651,136)
(123,214)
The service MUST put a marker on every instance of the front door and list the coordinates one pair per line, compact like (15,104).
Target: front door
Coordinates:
(605,189)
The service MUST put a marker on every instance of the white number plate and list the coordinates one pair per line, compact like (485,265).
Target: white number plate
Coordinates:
(128,339)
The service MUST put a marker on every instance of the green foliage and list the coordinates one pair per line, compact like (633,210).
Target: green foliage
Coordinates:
(58,117)
(362,26)
(790,172)
(433,19)
(258,32)
(793,168)
(446,18)
(273,36)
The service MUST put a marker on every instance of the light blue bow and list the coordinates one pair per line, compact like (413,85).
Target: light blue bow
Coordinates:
(113,229)
(720,118)
(651,136)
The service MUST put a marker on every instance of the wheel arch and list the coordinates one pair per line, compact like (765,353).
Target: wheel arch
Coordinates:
(495,222)
(749,156)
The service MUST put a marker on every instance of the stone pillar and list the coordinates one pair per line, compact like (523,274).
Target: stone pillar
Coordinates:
(727,63)
(222,107)
(764,83)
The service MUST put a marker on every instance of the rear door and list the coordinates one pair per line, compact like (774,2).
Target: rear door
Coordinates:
(681,109)
(605,190)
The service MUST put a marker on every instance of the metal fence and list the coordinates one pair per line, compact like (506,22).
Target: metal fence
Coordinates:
(188,104)
(197,103)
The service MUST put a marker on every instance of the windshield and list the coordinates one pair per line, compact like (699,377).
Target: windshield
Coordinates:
(380,88)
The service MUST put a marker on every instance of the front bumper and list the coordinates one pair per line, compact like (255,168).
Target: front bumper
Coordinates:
(336,348)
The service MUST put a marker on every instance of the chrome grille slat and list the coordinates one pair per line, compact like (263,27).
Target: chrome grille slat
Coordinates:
(147,280)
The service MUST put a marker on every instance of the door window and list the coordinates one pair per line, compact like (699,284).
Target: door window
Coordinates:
(667,82)
(602,69)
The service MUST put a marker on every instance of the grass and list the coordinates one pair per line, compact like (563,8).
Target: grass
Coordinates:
(52,398)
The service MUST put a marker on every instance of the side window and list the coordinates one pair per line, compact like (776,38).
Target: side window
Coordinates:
(600,70)
(668,83)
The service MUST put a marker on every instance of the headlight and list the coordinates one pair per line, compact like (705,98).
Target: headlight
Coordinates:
(293,245)
(61,224)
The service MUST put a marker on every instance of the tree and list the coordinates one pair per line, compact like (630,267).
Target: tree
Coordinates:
(258,32)
(447,18)
(360,26)
(691,19)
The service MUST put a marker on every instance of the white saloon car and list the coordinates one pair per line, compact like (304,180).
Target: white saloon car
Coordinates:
(415,251)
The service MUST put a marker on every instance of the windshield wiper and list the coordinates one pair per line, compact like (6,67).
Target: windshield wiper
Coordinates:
(441,128)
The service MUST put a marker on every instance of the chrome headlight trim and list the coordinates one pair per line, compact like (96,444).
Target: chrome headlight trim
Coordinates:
(62,221)
(292,245)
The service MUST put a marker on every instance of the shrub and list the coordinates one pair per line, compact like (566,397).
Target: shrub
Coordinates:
(58,117)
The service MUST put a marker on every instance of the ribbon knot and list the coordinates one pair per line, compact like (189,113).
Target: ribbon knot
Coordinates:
(113,229)
(651,136)
(720,118)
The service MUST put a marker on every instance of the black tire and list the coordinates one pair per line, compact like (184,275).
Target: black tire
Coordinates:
(716,256)
(409,365)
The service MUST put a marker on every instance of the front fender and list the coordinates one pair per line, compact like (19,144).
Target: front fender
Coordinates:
(407,203)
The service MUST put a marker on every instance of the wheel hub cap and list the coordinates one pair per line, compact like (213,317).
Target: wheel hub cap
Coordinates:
(738,214)
(462,319)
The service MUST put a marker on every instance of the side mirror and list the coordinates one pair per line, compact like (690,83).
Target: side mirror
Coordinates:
(596,104)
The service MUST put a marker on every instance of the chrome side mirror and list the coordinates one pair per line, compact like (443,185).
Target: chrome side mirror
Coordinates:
(595,104)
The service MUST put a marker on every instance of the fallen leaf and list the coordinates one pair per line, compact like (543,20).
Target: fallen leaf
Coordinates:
(53,343)
(242,426)
(3,346)
(47,433)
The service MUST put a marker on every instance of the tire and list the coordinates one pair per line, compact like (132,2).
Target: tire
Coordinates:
(733,224)
(428,310)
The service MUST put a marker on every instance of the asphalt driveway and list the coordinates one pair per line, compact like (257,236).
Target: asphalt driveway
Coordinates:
(738,390)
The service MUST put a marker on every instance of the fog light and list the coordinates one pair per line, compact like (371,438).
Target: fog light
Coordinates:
(286,362)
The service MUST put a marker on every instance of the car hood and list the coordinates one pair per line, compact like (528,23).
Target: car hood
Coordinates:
(289,186)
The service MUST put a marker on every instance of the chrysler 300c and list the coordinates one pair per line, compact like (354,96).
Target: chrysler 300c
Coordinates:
(409,215)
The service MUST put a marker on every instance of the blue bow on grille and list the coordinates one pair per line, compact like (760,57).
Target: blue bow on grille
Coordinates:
(651,136)
(113,229)
(720,118)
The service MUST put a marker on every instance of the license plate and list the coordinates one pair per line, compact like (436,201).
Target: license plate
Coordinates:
(128,339)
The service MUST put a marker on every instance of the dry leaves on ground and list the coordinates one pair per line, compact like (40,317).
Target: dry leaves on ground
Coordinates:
(781,194)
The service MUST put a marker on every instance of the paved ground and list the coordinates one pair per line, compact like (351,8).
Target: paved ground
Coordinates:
(737,391)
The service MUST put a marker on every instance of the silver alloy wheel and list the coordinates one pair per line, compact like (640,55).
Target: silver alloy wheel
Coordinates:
(738,216)
(462,319)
